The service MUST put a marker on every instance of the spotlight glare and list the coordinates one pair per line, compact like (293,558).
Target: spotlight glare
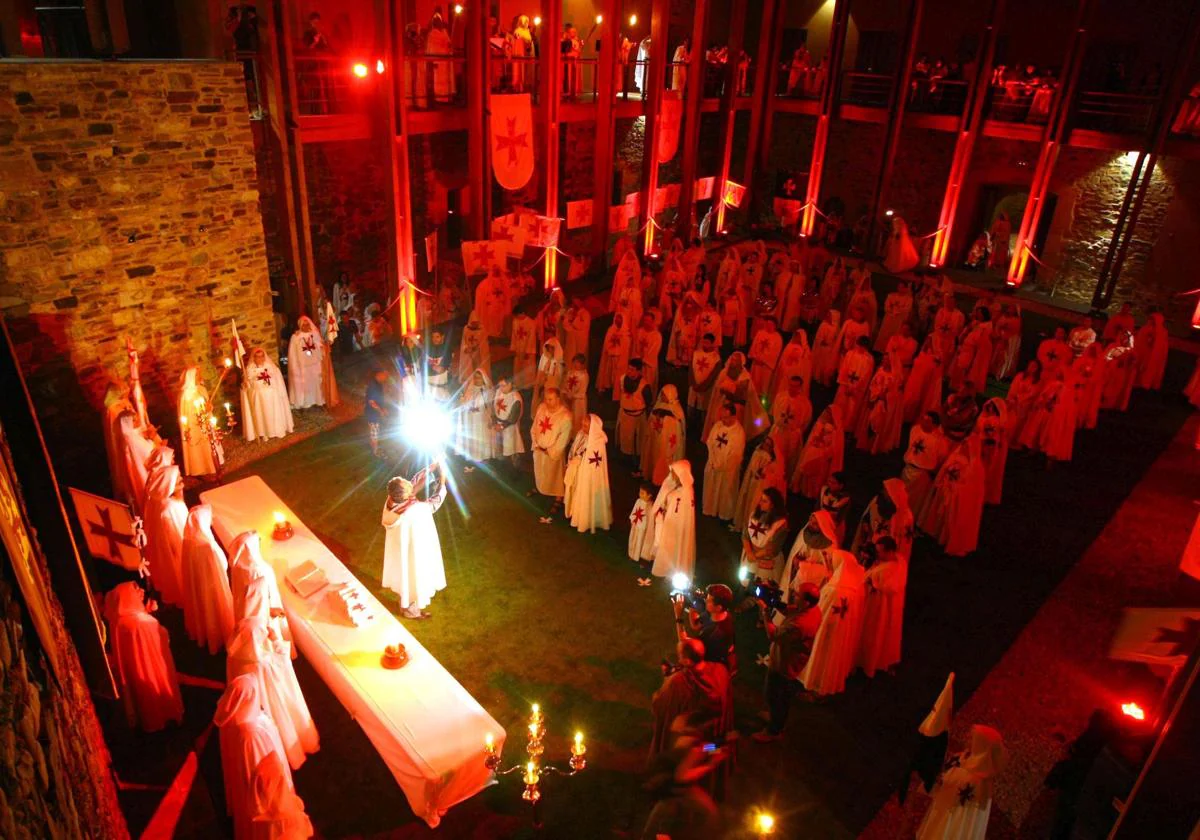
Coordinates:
(680,582)
(426,425)
(633,20)
(744,574)
(1133,710)
(458,9)
(764,823)
(360,70)
(537,20)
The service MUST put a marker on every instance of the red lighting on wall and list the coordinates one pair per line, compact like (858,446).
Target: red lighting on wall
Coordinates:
(1133,710)
(360,70)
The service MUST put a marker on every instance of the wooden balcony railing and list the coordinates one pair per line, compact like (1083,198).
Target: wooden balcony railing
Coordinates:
(937,96)
(432,82)
(1020,102)
(1119,113)
(873,90)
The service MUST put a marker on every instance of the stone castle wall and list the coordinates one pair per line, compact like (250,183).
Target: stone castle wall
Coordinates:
(129,208)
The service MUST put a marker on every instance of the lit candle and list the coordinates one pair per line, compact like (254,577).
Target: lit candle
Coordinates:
(578,747)
(537,712)
(458,9)
(537,20)
(228,362)
(531,773)
(279,518)
(764,823)
(213,420)
(489,744)
(533,730)
(599,19)
(183,420)
(633,20)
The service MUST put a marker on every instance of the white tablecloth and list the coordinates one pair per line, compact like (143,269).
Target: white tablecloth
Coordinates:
(428,729)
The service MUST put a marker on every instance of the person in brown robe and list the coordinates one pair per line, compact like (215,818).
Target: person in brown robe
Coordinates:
(695,688)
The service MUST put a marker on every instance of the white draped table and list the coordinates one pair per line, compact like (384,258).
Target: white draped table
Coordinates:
(428,729)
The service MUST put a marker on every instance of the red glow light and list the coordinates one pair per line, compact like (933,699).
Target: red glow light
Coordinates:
(360,70)
(1133,710)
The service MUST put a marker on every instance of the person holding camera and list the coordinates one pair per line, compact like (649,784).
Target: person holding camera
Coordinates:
(693,687)
(713,628)
(791,645)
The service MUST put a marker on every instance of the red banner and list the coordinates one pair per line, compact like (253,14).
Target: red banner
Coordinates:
(618,218)
(704,188)
(579,214)
(545,232)
(669,119)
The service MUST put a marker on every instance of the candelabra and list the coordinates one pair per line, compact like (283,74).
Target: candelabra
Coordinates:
(533,769)
(208,423)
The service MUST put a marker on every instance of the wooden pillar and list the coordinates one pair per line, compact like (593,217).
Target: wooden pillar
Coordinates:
(896,110)
(652,94)
(1143,173)
(551,101)
(479,172)
(602,154)
(763,149)
(693,97)
(770,33)
(402,263)
(1052,139)
(829,103)
(969,127)
(293,146)
(737,29)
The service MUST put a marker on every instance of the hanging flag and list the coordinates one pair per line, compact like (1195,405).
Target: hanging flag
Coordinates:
(704,188)
(239,350)
(665,197)
(546,232)
(734,192)
(331,323)
(109,529)
(579,214)
(480,256)
(669,118)
(431,250)
(634,202)
(508,229)
(511,127)
(788,210)
(618,218)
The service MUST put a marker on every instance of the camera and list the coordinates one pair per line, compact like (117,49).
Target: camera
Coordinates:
(769,593)
(693,597)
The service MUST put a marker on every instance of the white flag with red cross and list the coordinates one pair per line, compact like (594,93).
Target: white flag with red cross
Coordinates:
(579,214)
(507,229)
(481,255)
(109,529)
(545,232)
(511,128)
(734,193)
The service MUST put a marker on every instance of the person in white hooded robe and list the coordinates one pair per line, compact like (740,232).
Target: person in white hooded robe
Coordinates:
(550,370)
(473,433)
(664,436)
(266,411)
(164,518)
(197,453)
(473,350)
(278,811)
(135,449)
(246,565)
(589,501)
(726,444)
(673,521)
(247,737)
(883,621)
(836,645)
(207,601)
(810,559)
(734,385)
(306,363)
(962,800)
(257,649)
(140,654)
(412,551)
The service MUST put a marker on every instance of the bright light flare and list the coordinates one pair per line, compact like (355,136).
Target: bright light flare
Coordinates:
(744,574)
(1133,710)
(599,19)
(458,9)
(680,582)
(764,824)
(379,66)
(427,426)
(633,20)
(360,70)
(537,20)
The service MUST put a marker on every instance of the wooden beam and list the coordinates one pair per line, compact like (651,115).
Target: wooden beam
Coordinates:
(770,100)
(829,104)
(737,29)
(1052,138)
(769,35)
(898,106)
(602,152)
(693,96)
(551,100)
(652,94)
(479,172)
(402,257)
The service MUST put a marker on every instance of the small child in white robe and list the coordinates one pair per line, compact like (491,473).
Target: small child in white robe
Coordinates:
(639,519)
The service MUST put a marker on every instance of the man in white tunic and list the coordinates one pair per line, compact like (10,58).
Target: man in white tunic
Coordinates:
(507,409)
(412,552)
(266,412)
(306,352)
(551,435)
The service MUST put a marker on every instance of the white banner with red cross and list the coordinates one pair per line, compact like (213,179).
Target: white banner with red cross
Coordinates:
(481,255)
(510,126)
(734,193)
(545,232)
(110,529)
(579,214)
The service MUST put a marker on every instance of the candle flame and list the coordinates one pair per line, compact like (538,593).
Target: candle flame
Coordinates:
(489,741)
(537,709)
(578,738)
(279,518)
(228,362)
(599,19)
(633,20)
(182,420)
